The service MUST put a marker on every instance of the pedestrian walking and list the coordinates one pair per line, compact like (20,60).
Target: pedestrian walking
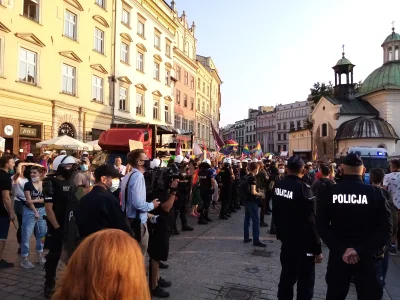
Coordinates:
(355,222)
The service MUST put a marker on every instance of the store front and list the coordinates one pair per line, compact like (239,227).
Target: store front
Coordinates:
(21,136)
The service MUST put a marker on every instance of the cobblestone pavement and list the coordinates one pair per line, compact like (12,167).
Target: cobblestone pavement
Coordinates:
(209,263)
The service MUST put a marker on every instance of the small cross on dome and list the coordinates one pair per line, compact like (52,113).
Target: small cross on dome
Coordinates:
(343,50)
(393,25)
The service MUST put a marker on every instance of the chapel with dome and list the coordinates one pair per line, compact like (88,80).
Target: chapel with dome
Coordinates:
(366,117)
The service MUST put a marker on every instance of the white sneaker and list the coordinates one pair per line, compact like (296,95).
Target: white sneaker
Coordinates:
(41,259)
(25,263)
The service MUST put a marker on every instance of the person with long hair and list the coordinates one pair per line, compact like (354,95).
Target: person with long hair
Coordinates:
(32,218)
(116,267)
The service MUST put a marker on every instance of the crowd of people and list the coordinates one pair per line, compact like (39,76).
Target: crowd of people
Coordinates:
(72,206)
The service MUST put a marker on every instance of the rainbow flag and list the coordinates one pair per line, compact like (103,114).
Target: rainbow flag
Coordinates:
(246,150)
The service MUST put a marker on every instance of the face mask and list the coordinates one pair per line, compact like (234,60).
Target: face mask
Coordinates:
(115,185)
(84,167)
(281,171)
(35,179)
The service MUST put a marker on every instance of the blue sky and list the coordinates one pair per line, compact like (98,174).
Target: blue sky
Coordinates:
(269,52)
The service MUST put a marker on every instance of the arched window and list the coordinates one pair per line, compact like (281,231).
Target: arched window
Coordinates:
(390,56)
(396,53)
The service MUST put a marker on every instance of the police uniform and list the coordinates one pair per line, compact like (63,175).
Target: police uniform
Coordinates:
(206,191)
(294,217)
(225,176)
(355,215)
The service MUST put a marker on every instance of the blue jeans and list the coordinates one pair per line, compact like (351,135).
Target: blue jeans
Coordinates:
(251,212)
(30,224)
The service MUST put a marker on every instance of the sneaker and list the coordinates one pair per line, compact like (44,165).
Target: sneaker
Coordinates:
(392,250)
(263,224)
(247,240)
(175,232)
(164,283)
(41,260)
(25,263)
(159,292)
(5,264)
(202,222)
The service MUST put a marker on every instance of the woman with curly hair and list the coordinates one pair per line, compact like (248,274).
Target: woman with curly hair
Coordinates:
(107,265)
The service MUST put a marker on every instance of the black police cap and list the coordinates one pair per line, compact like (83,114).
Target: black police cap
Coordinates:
(353,160)
(295,162)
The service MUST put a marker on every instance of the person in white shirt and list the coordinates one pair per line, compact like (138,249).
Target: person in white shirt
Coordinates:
(116,183)
(392,184)
(18,182)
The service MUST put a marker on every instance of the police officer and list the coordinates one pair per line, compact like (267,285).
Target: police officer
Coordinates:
(354,221)
(226,178)
(207,186)
(58,187)
(294,216)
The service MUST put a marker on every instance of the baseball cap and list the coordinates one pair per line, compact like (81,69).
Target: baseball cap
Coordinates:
(63,152)
(295,162)
(29,155)
(107,170)
(353,160)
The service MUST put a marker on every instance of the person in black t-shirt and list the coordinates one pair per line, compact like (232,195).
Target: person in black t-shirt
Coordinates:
(322,184)
(376,177)
(6,210)
(251,206)
(32,216)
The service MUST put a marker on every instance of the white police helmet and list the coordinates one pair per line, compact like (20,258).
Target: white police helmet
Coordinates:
(206,161)
(227,161)
(255,160)
(155,163)
(178,159)
(63,160)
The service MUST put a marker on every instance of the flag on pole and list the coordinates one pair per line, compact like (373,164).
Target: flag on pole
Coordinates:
(178,148)
(205,150)
(315,153)
(196,149)
(219,143)
(246,150)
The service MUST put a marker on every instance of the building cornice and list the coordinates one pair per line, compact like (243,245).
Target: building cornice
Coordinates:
(182,56)
(159,15)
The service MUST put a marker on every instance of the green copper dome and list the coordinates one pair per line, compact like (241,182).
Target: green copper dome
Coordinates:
(343,61)
(387,76)
(392,37)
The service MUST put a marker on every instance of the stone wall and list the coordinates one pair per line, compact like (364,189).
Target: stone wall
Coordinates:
(329,141)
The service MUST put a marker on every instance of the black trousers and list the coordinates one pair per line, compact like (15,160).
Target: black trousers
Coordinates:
(263,209)
(234,202)
(180,208)
(296,268)
(54,244)
(367,274)
(206,197)
(225,200)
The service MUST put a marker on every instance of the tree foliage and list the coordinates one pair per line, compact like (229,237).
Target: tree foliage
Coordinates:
(357,87)
(321,89)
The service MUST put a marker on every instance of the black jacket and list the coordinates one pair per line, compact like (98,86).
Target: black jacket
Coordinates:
(352,214)
(294,216)
(97,210)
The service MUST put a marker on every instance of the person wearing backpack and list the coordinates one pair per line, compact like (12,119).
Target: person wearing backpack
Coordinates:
(251,199)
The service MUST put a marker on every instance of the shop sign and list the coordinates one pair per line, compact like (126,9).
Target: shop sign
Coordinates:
(25,131)
(8,130)
(66,129)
